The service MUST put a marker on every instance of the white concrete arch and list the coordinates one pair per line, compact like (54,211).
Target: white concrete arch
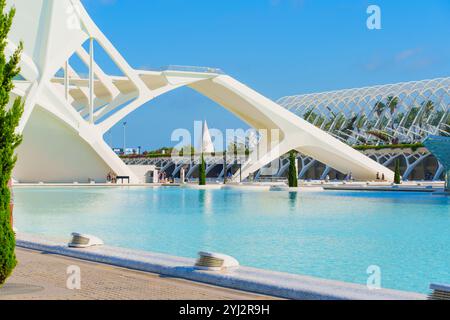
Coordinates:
(55,30)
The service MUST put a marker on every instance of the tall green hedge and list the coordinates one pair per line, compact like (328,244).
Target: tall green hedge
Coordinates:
(202,172)
(397,177)
(293,175)
(9,141)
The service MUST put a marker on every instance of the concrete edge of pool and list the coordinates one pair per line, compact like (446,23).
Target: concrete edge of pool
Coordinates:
(278,284)
(436,188)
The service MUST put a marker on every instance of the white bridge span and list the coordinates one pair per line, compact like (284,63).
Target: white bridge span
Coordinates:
(67,112)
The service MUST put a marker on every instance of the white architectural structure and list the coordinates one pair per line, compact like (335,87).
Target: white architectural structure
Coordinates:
(407,111)
(68,111)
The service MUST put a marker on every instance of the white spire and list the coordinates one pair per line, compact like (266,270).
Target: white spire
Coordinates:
(207,145)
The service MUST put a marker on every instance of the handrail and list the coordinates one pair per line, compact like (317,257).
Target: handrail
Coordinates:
(187,69)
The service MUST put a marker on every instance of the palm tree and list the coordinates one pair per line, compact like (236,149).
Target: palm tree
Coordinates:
(379,108)
(428,108)
(351,124)
(411,117)
(392,103)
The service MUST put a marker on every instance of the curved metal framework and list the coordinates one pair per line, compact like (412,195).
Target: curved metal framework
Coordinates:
(396,113)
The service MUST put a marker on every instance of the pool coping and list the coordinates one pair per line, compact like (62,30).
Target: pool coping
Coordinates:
(272,283)
(434,188)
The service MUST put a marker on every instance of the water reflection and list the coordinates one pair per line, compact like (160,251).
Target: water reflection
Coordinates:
(205,201)
(293,198)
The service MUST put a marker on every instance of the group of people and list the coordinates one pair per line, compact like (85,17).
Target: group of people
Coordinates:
(164,178)
(348,178)
(111,177)
(383,178)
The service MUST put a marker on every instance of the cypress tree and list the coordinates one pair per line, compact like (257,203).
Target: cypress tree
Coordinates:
(293,175)
(202,173)
(9,120)
(397,177)
(225,167)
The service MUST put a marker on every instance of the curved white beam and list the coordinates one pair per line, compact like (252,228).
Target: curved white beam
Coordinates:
(57,40)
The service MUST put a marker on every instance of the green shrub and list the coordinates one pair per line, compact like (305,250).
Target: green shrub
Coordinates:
(293,175)
(9,141)
(414,147)
(397,177)
(202,172)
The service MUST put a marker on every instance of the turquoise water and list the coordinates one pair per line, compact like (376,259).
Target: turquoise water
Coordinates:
(332,235)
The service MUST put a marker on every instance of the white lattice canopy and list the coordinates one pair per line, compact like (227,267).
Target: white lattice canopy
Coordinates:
(404,112)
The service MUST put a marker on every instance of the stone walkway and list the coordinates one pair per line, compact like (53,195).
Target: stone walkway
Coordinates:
(42,276)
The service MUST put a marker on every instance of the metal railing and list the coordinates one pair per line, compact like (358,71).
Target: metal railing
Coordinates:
(187,69)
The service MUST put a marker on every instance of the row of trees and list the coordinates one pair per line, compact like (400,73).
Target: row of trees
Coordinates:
(236,149)
(292,175)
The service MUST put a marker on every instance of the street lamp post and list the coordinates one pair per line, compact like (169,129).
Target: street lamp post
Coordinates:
(240,172)
(124,137)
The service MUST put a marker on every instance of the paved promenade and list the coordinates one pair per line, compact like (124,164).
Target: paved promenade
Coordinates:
(41,276)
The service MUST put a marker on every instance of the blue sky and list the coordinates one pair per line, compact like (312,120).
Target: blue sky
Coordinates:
(278,47)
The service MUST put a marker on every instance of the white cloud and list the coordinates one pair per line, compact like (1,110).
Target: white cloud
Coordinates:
(407,54)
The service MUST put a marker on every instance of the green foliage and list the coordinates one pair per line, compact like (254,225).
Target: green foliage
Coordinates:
(350,126)
(186,151)
(158,155)
(238,149)
(413,112)
(427,110)
(314,118)
(397,177)
(202,172)
(9,141)
(379,108)
(341,119)
(414,147)
(293,175)
(382,135)
(392,104)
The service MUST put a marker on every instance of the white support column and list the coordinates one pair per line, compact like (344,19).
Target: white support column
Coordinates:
(183,175)
(91,81)
(66,80)
(447,180)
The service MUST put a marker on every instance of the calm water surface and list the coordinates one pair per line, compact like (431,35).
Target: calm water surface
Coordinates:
(333,235)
